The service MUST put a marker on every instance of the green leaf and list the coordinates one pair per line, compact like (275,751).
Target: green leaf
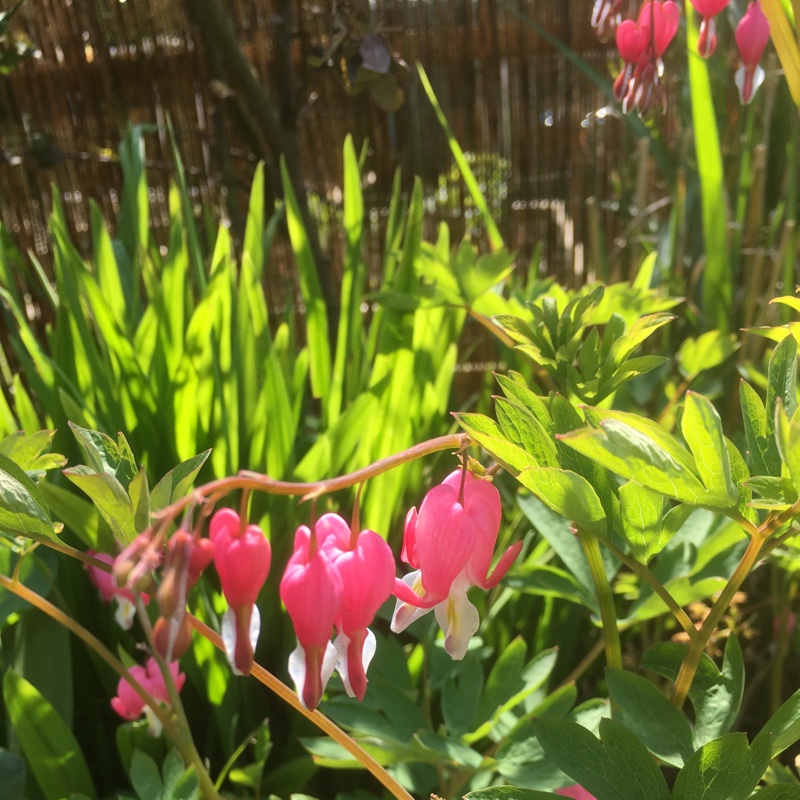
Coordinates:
(782,381)
(762,449)
(31,452)
(104,455)
(23,510)
(618,767)
(706,352)
(487,433)
(702,430)
(645,711)
(177,482)
(110,498)
(317,334)
(783,726)
(642,513)
(568,494)
(12,775)
(523,429)
(725,769)
(642,329)
(52,751)
(509,793)
(632,451)
(460,696)
(145,777)
(139,493)
(781,791)
(717,278)
(492,231)
(80,516)
(715,695)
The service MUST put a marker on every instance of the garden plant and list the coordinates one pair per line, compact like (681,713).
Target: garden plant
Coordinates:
(606,534)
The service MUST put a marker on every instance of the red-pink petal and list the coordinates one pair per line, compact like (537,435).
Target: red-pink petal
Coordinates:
(752,34)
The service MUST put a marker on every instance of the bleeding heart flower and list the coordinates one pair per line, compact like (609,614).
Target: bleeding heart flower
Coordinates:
(242,557)
(451,542)
(130,706)
(663,19)
(752,35)
(365,565)
(605,18)
(708,9)
(311,590)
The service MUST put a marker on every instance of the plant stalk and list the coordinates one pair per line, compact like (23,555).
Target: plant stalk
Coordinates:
(605,599)
(691,660)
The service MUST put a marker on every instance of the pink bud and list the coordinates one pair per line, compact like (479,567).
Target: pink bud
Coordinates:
(106,585)
(709,8)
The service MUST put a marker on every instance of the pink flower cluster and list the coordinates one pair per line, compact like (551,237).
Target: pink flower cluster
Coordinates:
(335,581)
(643,41)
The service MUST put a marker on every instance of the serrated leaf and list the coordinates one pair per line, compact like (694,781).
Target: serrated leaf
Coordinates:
(702,430)
(724,769)
(618,767)
(645,711)
(782,381)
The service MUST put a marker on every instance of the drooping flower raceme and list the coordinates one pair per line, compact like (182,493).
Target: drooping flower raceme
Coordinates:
(450,543)
(641,45)
(365,565)
(752,35)
(311,590)
(106,585)
(130,706)
(242,557)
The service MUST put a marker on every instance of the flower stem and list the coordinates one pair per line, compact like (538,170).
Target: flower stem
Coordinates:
(164,716)
(647,575)
(321,721)
(605,599)
(691,660)
(308,491)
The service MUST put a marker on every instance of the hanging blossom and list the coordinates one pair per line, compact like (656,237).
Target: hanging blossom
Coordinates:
(752,35)
(708,10)
(641,44)
(107,588)
(450,543)
(605,18)
(130,706)
(337,578)
(242,558)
